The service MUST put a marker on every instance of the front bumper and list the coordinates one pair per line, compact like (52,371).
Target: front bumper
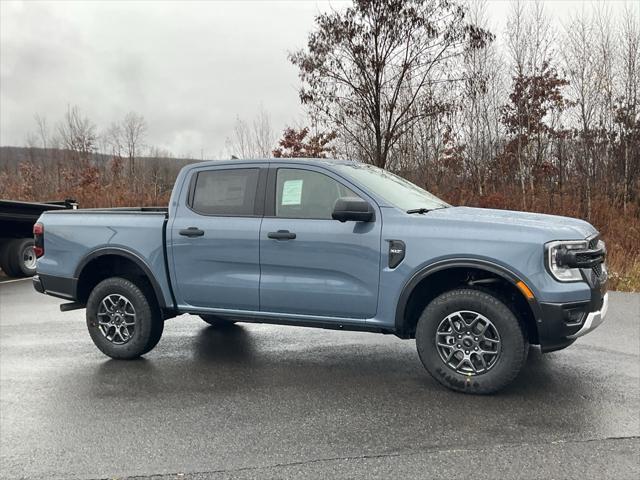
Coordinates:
(594,319)
(560,324)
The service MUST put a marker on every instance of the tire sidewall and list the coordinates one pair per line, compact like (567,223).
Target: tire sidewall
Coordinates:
(513,342)
(4,257)
(11,256)
(143,330)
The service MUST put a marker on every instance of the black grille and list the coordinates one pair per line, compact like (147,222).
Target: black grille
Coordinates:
(596,269)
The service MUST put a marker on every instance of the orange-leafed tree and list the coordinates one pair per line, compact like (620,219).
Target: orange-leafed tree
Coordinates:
(299,144)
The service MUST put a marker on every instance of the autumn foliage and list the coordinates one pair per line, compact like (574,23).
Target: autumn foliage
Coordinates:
(299,144)
(549,122)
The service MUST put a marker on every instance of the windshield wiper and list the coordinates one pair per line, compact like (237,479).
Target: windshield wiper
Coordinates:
(419,210)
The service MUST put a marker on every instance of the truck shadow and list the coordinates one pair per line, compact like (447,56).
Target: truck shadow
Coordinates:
(220,355)
(316,374)
(223,344)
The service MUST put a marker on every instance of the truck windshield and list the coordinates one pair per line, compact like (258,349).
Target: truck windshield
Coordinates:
(392,188)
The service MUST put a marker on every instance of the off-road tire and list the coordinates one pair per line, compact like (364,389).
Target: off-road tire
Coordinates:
(148,321)
(514,345)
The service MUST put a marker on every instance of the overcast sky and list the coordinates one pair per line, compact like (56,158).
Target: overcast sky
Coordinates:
(190,68)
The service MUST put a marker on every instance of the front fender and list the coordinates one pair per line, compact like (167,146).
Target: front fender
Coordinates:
(462,262)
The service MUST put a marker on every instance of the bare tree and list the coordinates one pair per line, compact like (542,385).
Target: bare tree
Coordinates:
(584,72)
(482,94)
(256,139)
(77,134)
(530,41)
(43,130)
(264,136)
(369,68)
(114,139)
(134,130)
(628,111)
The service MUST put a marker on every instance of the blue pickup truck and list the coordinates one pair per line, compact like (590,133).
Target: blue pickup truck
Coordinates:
(330,244)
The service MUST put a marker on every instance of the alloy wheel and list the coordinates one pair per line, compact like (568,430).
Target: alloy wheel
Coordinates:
(468,342)
(116,318)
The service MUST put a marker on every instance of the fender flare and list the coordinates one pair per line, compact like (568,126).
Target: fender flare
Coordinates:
(446,264)
(121,252)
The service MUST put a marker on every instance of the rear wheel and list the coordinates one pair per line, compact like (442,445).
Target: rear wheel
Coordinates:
(123,321)
(216,321)
(471,341)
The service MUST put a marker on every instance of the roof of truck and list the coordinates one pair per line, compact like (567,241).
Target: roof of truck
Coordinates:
(307,161)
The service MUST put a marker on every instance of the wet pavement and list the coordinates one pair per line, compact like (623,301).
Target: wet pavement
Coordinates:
(259,401)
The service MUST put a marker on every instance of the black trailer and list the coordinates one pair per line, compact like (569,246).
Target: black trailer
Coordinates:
(17,257)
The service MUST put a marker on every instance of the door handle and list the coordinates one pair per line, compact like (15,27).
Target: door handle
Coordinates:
(192,232)
(281,235)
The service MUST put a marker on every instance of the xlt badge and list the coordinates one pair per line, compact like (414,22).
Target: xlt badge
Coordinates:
(396,252)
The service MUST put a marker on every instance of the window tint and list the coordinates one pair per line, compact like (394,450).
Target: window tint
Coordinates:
(226,192)
(307,194)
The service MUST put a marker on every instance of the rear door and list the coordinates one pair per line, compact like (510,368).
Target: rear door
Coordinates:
(312,264)
(214,238)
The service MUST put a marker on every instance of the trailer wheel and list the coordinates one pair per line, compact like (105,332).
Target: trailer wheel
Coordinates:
(26,257)
(18,258)
(3,249)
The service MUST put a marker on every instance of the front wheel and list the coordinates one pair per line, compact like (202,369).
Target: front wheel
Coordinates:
(122,320)
(471,341)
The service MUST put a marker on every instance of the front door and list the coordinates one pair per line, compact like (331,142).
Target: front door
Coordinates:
(214,241)
(310,263)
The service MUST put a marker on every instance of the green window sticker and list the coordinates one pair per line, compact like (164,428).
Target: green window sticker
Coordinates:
(292,192)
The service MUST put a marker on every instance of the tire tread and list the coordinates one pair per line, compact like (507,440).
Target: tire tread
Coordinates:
(454,380)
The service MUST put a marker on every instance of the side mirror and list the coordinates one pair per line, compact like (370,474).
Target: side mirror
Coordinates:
(352,208)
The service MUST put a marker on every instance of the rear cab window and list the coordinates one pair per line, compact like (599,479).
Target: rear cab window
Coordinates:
(229,192)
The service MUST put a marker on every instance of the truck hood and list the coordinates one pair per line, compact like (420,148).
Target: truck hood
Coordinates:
(552,227)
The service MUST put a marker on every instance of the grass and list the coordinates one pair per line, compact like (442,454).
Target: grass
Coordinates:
(627,280)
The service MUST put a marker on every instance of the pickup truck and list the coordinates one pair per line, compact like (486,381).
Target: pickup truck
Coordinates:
(330,244)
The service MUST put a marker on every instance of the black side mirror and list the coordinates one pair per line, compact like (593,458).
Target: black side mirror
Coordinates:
(352,208)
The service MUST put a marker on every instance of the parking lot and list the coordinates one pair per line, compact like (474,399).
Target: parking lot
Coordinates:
(258,401)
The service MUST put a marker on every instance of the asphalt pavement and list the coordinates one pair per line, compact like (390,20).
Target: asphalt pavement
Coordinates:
(260,401)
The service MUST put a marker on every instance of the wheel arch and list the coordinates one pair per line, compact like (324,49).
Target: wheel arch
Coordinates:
(440,276)
(114,261)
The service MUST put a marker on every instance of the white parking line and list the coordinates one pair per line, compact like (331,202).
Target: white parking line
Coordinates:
(15,280)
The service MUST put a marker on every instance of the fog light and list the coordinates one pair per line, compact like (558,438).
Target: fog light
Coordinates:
(574,316)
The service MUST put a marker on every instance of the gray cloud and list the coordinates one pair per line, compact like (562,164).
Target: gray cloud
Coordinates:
(189,67)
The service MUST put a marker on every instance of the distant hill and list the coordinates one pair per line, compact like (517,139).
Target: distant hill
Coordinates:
(11,157)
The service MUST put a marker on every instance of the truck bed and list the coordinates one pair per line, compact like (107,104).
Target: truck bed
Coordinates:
(154,210)
(70,241)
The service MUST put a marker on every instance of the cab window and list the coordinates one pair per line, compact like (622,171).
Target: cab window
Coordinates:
(307,194)
(226,192)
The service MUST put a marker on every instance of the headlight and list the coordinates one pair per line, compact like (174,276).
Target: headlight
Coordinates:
(554,265)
